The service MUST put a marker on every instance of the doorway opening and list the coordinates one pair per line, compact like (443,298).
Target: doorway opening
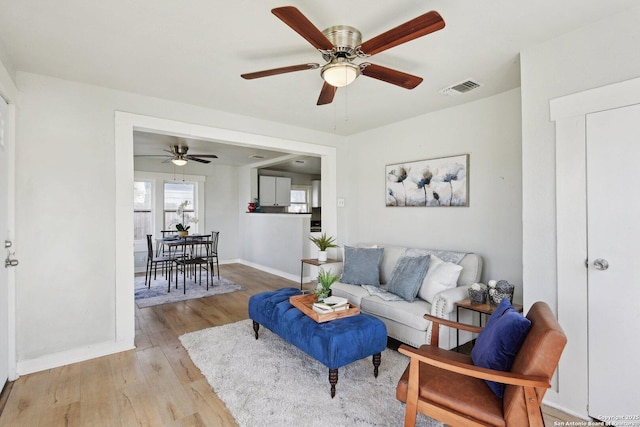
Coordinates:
(125,125)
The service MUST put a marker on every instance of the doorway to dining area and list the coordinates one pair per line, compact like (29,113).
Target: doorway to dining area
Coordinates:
(126,124)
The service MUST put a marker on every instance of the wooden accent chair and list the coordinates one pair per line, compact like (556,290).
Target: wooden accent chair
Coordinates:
(446,386)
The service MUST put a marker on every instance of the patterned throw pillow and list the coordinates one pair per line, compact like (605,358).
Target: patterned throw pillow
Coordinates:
(407,276)
(361,266)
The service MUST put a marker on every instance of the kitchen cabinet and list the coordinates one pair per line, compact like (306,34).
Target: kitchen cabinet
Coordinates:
(275,191)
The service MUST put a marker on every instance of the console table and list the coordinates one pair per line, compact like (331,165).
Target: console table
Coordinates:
(315,262)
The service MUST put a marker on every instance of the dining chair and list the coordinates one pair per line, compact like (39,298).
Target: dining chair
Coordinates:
(193,251)
(213,254)
(153,261)
(160,250)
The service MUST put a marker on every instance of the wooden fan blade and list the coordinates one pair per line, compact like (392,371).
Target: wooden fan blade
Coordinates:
(195,159)
(326,94)
(281,70)
(392,76)
(417,27)
(208,156)
(301,25)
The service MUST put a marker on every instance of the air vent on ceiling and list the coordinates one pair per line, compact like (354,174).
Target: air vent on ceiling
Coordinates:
(256,156)
(460,88)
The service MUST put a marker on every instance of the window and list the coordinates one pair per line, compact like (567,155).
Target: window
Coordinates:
(175,195)
(142,209)
(299,199)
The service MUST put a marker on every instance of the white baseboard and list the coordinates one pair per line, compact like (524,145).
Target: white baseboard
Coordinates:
(270,270)
(68,357)
(551,399)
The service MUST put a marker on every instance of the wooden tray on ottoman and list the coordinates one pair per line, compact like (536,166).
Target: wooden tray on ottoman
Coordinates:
(305,302)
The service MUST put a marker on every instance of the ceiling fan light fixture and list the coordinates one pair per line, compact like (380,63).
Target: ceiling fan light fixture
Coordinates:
(179,161)
(340,72)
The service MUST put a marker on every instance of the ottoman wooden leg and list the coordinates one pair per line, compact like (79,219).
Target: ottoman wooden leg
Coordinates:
(376,362)
(333,380)
(256,326)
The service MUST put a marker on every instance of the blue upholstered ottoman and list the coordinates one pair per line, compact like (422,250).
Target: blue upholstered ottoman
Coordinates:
(335,343)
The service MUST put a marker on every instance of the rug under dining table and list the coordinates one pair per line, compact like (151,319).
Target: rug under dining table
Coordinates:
(158,294)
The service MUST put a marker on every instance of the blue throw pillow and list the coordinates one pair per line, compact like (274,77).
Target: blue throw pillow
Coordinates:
(407,276)
(361,266)
(498,343)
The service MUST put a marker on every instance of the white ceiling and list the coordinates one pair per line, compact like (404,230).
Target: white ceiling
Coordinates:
(195,51)
(153,146)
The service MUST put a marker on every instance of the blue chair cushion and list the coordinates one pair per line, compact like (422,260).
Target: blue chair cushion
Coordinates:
(335,343)
(498,343)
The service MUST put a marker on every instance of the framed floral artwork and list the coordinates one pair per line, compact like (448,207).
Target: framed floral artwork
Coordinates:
(433,182)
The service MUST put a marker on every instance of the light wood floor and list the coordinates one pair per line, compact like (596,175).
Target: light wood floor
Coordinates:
(154,385)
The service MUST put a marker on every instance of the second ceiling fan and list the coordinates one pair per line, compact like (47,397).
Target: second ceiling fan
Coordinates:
(340,45)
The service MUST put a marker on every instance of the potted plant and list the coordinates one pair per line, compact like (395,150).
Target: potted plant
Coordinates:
(323,243)
(186,218)
(182,230)
(325,279)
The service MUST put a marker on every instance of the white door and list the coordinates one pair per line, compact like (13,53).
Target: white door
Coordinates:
(4,229)
(613,193)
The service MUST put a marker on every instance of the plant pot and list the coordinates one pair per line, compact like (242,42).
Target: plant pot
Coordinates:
(477,296)
(183,233)
(503,289)
(322,256)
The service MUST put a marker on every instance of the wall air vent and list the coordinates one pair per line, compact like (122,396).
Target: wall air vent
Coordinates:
(461,88)
(257,156)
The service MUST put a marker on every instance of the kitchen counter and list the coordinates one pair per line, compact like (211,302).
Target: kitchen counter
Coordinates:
(277,242)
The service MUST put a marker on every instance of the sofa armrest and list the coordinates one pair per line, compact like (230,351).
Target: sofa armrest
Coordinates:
(444,302)
(334,267)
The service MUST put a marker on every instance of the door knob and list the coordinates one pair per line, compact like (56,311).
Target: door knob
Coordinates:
(600,264)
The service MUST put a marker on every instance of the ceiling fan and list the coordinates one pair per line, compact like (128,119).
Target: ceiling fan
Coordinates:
(340,45)
(179,156)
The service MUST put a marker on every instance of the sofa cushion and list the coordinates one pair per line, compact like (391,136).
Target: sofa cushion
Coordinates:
(498,343)
(354,293)
(440,276)
(390,258)
(404,312)
(361,265)
(407,276)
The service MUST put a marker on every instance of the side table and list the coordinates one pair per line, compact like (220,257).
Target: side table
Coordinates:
(315,262)
(478,308)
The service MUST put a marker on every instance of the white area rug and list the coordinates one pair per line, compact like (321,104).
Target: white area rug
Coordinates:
(270,383)
(158,293)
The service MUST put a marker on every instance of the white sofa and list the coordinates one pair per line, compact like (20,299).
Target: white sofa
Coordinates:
(404,320)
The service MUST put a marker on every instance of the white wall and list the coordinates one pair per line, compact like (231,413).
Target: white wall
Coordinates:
(593,56)
(66,211)
(489,130)
(8,89)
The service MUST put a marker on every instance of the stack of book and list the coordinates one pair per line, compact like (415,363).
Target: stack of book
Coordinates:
(330,305)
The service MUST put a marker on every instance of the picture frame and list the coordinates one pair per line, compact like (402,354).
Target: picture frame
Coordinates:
(435,182)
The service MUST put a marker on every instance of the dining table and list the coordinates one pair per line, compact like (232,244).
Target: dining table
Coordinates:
(172,243)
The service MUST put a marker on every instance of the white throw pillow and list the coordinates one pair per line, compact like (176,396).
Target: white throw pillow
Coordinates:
(440,276)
